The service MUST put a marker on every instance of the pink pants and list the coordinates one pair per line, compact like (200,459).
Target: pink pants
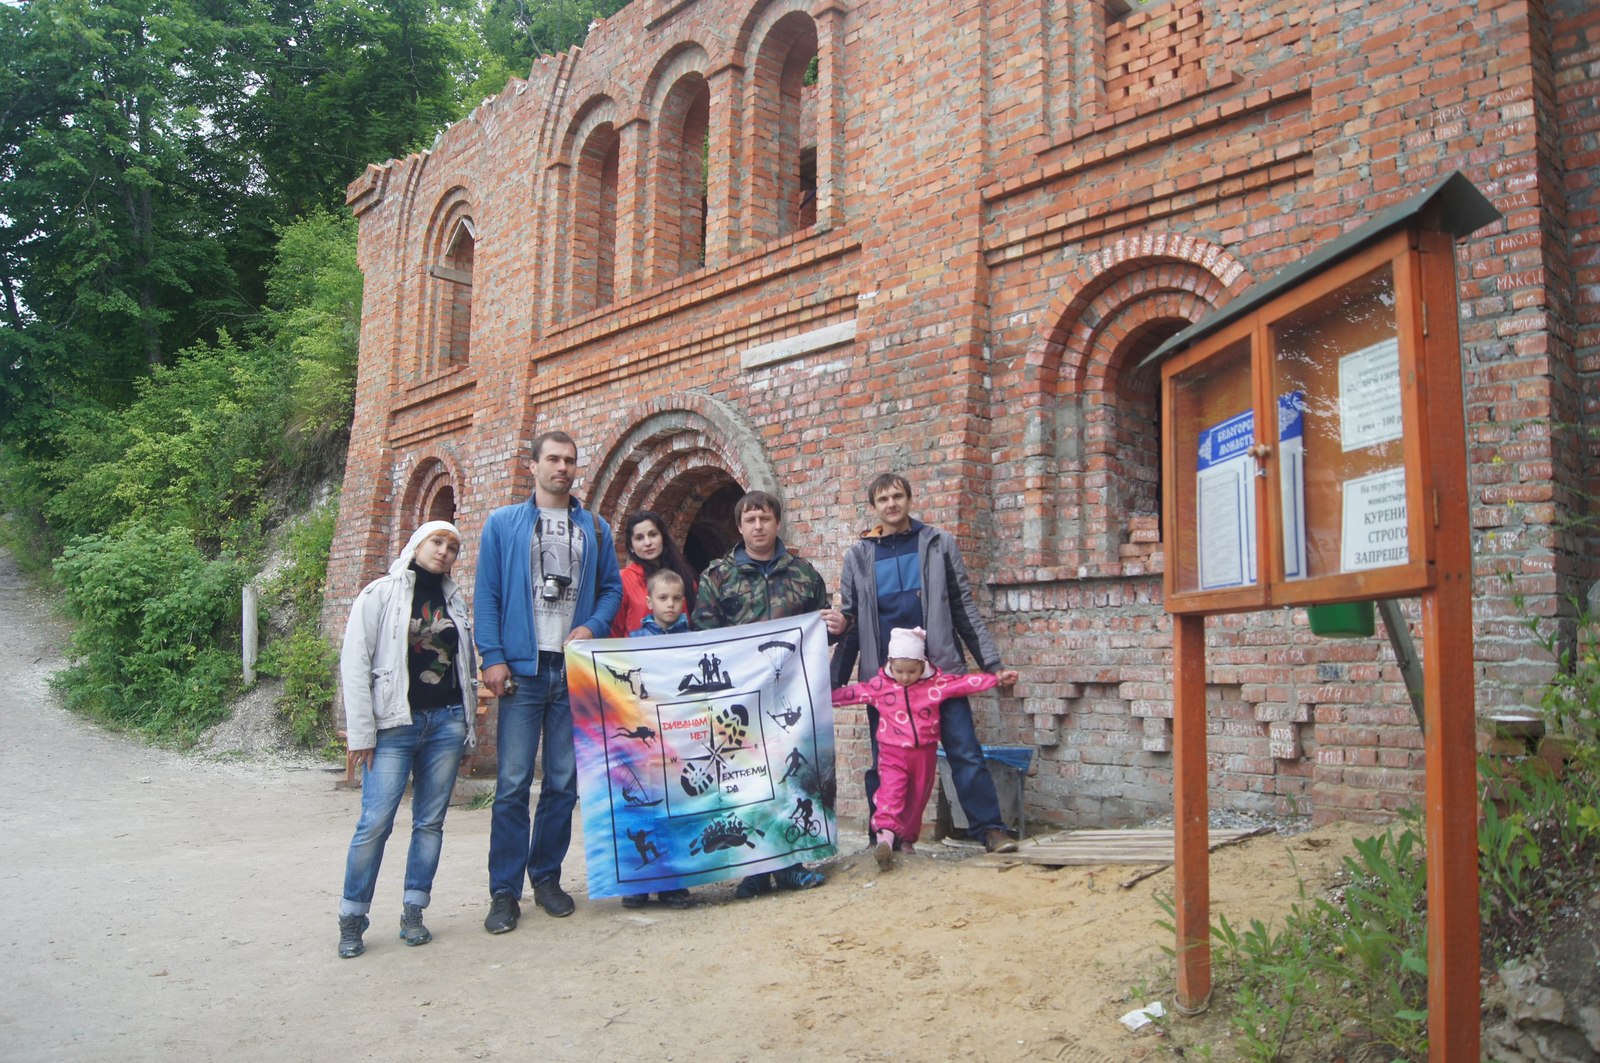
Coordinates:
(905,782)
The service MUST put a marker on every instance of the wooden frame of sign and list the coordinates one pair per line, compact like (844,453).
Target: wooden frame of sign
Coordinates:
(1314,451)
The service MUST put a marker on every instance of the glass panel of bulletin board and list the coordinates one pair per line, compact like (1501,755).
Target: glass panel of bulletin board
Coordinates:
(1341,425)
(1213,473)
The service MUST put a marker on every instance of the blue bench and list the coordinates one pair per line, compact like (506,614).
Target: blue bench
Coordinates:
(1009,767)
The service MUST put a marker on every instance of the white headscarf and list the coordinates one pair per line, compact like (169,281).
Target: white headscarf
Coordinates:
(419,536)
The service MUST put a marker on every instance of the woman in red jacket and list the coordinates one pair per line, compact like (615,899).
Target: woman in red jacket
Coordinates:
(649,548)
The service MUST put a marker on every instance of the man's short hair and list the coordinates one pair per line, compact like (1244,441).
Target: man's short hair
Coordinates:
(556,436)
(663,575)
(757,500)
(885,480)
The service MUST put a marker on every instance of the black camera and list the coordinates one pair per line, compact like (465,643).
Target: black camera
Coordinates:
(550,590)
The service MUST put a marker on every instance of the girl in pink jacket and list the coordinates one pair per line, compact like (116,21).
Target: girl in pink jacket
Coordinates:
(907,694)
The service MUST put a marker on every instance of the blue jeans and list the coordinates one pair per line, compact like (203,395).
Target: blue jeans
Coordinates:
(974,785)
(538,709)
(429,748)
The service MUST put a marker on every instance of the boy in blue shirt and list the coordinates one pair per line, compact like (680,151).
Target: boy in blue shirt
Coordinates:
(665,596)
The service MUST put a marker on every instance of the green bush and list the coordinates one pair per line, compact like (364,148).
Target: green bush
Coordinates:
(191,451)
(155,646)
(303,659)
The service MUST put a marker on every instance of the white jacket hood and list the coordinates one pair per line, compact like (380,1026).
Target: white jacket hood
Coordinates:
(401,563)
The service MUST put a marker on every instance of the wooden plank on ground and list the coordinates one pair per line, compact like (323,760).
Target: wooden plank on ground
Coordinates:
(1089,847)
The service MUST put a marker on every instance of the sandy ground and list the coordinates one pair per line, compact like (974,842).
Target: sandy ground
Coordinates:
(161,906)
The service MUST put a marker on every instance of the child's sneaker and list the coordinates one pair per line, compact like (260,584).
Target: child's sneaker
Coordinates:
(908,848)
(883,852)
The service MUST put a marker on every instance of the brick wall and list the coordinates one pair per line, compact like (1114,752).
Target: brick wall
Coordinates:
(1015,203)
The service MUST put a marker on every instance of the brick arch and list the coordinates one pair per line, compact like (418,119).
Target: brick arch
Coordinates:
(761,19)
(441,319)
(431,475)
(686,57)
(1056,359)
(1090,414)
(781,127)
(679,445)
(678,211)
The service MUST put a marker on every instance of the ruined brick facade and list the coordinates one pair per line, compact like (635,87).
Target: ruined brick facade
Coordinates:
(944,250)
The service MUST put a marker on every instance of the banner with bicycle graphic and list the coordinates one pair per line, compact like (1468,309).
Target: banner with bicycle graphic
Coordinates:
(703,756)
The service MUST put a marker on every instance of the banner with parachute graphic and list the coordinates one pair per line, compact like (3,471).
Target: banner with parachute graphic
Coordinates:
(703,756)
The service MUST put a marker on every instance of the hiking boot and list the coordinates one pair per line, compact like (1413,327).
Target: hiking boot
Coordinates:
(797,877)
(504,911)
(678,899)
(883,852)
(753,886)
(552,898)
(412,932)
(635,900)
(351,927)
(996,840)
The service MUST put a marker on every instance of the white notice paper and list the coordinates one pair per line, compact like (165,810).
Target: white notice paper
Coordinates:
(1375,534)
(1369,395)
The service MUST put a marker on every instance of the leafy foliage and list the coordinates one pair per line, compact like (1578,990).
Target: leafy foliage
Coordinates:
(180,301)
(154,618)
(1357,957)
(304,660)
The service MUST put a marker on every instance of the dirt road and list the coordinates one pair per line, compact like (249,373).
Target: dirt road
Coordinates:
(160,906)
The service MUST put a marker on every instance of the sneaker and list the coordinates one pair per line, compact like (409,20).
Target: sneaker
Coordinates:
(635,900)
(351,927)
(552,898)
(883,852)
(678,899)
(996,840)
(908,848)
(504,911)
(797,877)
(412,932)
(753,886)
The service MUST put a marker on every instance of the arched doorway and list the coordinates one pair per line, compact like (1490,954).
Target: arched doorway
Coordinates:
(689,459)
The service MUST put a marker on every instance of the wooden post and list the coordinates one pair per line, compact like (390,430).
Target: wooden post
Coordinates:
(1449,700)
(249,633)
(1190,816)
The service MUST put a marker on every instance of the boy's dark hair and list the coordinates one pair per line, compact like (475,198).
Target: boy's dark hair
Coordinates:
(555,436)
(757,500)
(664,575)
(885,480)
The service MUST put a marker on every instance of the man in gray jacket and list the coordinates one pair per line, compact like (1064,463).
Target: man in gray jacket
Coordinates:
(904,573)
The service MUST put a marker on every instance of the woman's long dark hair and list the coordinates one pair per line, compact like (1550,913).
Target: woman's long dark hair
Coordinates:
(671,557)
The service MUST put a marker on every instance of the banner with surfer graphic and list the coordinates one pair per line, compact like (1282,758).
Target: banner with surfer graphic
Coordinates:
(703,756)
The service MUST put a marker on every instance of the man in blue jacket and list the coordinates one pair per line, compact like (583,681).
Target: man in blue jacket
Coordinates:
(547,574)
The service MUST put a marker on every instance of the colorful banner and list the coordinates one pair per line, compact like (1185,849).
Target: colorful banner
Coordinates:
(703,756)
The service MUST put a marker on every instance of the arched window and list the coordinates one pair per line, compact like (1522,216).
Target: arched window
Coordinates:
(681,179)
(594,220)
(782,190)
(448,294)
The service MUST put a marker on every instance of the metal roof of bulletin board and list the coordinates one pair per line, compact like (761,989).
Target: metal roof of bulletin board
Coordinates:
(1453,205)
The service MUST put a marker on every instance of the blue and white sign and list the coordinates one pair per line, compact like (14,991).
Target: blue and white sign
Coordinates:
(1226,502)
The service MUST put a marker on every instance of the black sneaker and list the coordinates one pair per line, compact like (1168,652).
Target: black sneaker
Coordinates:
(635,900)
(412,932)
(552,898)
(351,927)
(504,911)
(753,886)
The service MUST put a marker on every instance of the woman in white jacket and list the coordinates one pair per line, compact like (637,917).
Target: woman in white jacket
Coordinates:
(408,676)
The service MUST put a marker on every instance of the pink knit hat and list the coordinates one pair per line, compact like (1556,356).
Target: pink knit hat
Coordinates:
(909,643)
